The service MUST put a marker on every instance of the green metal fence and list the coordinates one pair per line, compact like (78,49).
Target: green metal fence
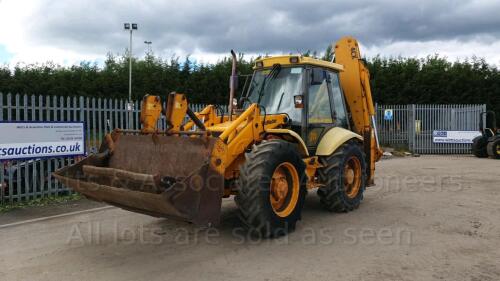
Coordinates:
(410,125)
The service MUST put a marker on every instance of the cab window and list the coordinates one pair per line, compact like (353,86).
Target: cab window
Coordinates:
(338,104)
(319,110)
(274,90)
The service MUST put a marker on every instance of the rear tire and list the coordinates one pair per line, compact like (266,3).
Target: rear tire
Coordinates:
(340,192)
(479,147)
(256,202)
(493,148)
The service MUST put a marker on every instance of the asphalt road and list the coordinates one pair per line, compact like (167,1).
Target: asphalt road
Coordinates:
(427,218)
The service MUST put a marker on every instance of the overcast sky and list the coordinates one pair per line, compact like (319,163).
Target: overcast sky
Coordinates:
(69,31)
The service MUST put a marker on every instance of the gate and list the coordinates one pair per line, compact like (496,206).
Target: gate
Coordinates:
(412,126)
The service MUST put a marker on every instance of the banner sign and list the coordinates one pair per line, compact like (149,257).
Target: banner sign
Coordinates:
(28,140)
(454,136)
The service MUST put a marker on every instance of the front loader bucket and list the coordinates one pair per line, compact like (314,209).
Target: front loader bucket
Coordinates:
(163,176)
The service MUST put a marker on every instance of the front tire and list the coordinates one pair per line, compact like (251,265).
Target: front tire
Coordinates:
(344,178)
(271,188)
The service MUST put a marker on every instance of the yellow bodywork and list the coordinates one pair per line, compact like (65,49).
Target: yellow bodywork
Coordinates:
(293,136)
(333,139)
(175,112)
(185,170)
(151,110)
(300,60)
(355,81)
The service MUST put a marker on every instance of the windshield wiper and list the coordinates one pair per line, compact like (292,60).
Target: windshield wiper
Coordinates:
(273,74)
(281,98)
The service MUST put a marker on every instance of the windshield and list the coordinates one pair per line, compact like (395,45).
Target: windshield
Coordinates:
(274,90)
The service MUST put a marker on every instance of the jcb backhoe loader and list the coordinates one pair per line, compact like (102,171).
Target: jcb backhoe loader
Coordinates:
(304,123)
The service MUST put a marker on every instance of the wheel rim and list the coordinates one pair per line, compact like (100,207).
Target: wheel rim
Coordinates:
(284,189)
(352,177)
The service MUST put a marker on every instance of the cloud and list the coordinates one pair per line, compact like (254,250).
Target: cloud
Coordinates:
(70,31)
(451,49)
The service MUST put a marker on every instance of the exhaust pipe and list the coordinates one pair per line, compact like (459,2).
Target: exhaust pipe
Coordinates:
(233,84)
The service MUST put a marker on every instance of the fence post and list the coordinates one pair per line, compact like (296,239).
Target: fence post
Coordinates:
(412,130)
(99,122)
(377,123)
(1,106)
(136,111)
(2,180)
(81,107)
(87,124)
(41,176)
(94,125)
(122,115)
(1,164)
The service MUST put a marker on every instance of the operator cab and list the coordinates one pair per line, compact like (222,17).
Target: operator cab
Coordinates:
(306,89)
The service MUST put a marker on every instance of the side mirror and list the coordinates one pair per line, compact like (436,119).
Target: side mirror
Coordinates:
(298,101)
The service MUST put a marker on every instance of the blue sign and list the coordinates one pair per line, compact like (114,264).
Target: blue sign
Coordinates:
(388,114)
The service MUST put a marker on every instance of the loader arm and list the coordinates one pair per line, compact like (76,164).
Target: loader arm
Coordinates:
(234,136)
(355,81)
(246,129)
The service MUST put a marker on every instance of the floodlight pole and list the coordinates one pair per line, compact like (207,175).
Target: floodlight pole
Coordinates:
(148,43)
(130,27)
(130,69)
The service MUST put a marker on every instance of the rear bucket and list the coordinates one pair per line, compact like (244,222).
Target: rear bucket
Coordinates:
(163,176)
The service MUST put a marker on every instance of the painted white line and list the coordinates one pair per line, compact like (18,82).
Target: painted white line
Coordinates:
(56,216)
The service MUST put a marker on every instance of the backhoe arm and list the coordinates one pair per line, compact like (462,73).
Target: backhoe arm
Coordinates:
(355,81)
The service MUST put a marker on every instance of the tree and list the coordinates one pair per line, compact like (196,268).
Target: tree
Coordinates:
(433,79)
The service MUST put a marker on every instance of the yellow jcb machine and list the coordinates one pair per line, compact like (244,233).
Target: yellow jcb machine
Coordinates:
(303,124)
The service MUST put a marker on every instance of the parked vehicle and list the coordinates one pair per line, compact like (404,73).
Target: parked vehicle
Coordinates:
(488,144)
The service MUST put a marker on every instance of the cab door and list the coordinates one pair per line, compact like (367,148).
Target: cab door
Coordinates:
(325,106)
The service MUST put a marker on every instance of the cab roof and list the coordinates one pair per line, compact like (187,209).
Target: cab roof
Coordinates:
(297,60)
